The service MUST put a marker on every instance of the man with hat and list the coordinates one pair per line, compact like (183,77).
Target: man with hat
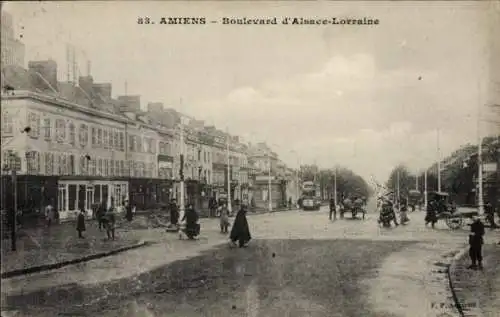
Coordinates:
(476,242)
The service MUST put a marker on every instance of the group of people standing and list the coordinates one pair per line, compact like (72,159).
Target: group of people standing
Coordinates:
(240,231)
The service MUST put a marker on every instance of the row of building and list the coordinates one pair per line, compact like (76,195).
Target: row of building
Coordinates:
(76,145)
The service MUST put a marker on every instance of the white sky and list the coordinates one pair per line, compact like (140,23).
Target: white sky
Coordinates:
(336,95)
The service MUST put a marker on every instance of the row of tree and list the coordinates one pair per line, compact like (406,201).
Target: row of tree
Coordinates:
(458,176)
(348,182)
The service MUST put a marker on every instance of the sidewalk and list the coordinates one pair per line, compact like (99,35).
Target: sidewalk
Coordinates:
(42,248)
(478,292)
(414,282)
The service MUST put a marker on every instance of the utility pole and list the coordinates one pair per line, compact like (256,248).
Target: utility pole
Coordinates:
(480,154)
(335,186)
(181,170)
(439,161)
(229,207)
(425,189)
(269,181)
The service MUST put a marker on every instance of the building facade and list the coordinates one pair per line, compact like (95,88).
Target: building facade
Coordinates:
(79,147)
(13,50)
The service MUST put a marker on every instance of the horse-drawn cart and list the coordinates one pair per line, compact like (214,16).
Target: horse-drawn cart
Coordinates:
(448,212)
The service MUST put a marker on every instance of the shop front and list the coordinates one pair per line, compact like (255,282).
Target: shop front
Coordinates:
(74,194)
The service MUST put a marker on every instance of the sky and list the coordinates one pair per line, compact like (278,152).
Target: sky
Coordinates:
(364,97)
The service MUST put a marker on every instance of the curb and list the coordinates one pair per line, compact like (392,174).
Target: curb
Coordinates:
(58,265)
(449,272)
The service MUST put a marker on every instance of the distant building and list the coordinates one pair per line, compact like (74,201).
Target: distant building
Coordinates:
(13,50)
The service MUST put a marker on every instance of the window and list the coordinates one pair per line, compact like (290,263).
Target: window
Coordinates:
(71,164)
(49,163)
(131,143)
(72,136)
(47,129)
(7,124)
(117,168)
(83,135)
(153,146)
(33,160)
(116,141)
(94,136)
(99,137)
(106,138)
(105,167)
(92,167)
(60,130)
(83,165)
(161,147)
(111,168)
(34,124)
(138,146)
(122,141)
(99,167)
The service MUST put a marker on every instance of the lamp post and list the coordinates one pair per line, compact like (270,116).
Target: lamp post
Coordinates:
(425,189)
(229,207)
(269,197)
(181,170)
(439,161)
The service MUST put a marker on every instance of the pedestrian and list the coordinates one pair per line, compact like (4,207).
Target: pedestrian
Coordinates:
(290,203)
(333,209)
(80,223)
(490,215)
(224,219)
(431,215)
(240,231)
(110,222)
(101,213)
(476,242)
(50,213)
(191,217)
(174,213)
(128,211)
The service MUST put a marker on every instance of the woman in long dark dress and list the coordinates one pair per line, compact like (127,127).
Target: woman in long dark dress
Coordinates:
(240,231)
(191,217)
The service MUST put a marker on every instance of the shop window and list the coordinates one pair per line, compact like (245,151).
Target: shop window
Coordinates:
(72,194)
(62,197)
(97,194)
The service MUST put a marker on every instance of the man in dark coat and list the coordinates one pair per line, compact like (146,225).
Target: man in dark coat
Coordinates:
(240,231)
(128,211)
(192,226)
(476,244)
(333,209)
(431,215)
(174,213)
(80,223)
(101,211)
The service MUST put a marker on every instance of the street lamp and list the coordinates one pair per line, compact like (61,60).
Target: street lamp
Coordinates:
(269,180)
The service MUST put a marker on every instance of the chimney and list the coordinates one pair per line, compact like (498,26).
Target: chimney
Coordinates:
(86,83)
(103,90)
(130,103)
(48,70)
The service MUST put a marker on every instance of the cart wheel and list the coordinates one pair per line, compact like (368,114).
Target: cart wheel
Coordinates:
(454,222)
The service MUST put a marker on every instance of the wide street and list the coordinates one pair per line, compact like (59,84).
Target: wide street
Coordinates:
(299,264)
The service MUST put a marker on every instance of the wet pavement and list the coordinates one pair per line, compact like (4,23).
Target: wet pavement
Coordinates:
(269,278)
(58,243)
(192,267)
